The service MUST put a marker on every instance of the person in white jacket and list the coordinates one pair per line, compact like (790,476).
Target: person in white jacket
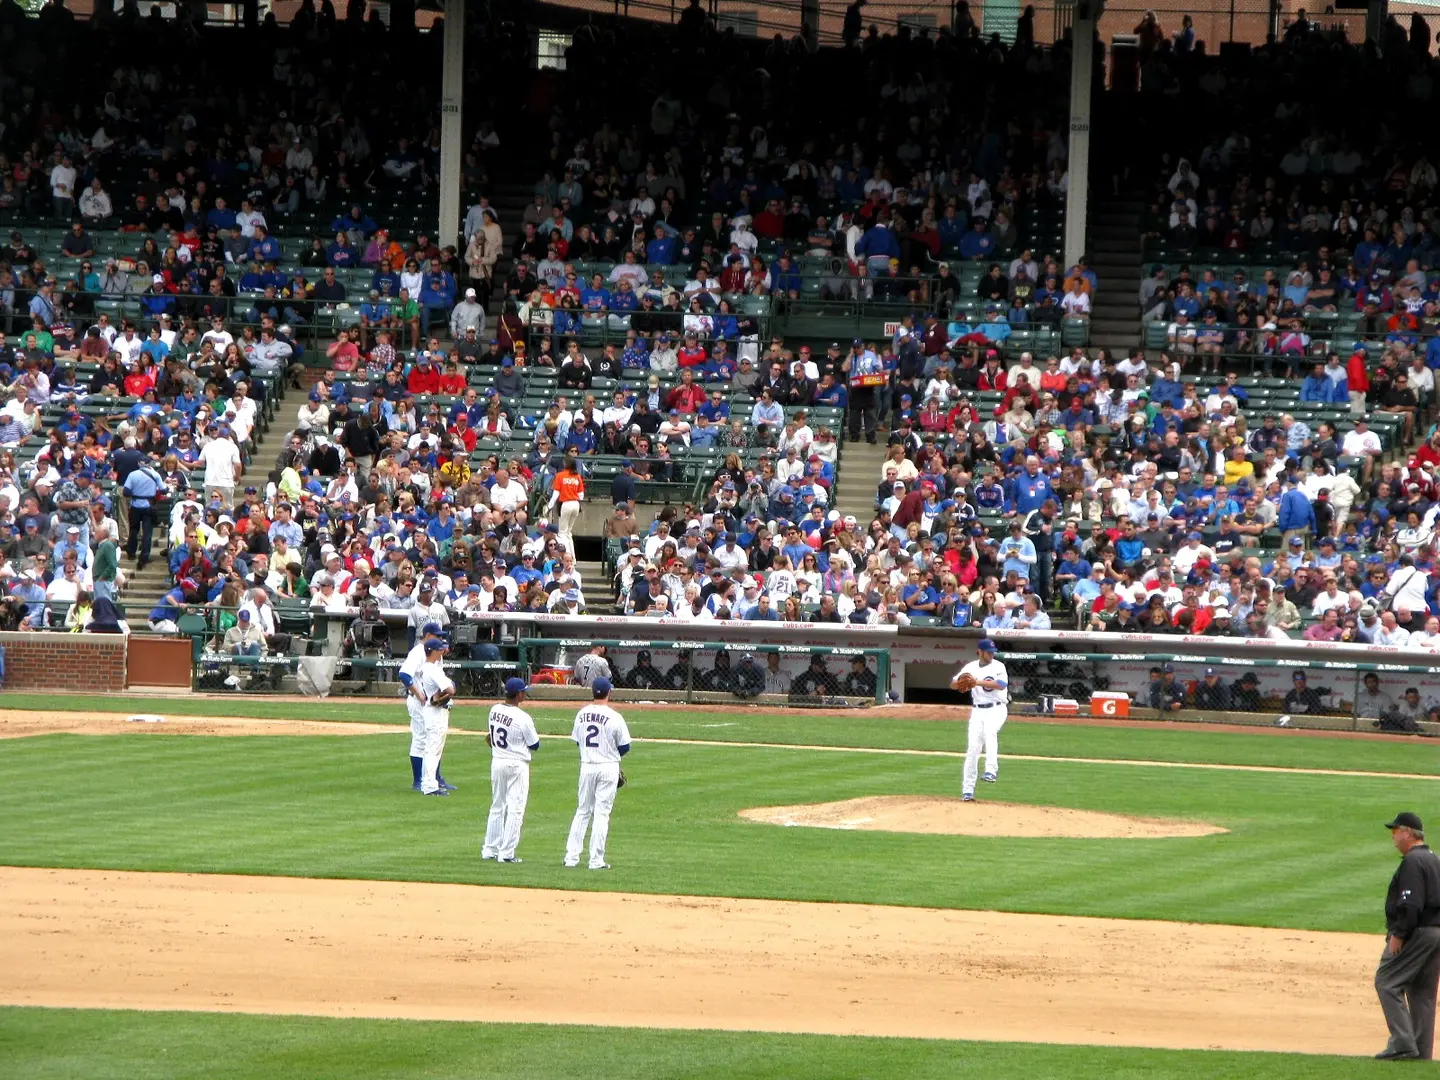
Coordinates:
(95,204)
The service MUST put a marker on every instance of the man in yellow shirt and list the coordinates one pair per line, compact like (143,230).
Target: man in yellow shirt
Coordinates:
(455,472)
(1237,467)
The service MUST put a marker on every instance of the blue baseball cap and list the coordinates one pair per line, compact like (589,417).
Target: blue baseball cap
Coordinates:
(514,686)
(601,687)
(430,629)
(986,645)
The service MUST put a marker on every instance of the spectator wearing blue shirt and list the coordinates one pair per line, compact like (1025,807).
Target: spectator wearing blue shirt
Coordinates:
(878,241)
(263,247)
(165,615)
(1017,552)
(386,282)
(762,611)
(1129,548)
(220,216)
(1070,571)
(1296,516)
(785,276)
(1319,388)
(355,223)
(1030,488)
(660,251)
(437,296)
(580,439)
(32,593)
(767,411)
(977,244)
(340,252)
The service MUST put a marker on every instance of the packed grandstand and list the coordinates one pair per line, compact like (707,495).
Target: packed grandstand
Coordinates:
(793,342)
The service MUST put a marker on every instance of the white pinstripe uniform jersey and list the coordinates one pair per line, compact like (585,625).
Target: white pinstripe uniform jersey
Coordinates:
(512,733)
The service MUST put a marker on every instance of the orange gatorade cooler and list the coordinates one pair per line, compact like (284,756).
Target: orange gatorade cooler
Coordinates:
(1109,703)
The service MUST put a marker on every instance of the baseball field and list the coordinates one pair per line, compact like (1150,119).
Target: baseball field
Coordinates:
(249,888)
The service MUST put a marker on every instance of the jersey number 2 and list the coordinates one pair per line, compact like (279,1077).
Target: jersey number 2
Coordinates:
(592,736)
(500,737)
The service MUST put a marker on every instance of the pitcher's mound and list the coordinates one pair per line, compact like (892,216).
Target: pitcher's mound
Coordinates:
(950,816)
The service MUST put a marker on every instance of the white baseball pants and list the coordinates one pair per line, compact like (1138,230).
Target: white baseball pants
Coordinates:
(569,514)
(417,725)
(597,799)
(985,725)
(437,725)
(509,791)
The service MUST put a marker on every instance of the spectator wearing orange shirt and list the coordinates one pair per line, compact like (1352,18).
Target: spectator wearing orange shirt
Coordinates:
(567,490)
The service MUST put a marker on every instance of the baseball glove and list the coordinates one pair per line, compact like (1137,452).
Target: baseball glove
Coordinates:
(621,782)
(966,682)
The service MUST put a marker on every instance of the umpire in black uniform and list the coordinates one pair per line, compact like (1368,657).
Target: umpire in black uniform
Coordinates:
(1410,966)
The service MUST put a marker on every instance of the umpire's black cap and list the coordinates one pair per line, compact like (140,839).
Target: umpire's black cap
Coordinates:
(1406,820)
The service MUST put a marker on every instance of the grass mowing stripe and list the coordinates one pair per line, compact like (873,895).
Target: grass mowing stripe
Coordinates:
(1039,757)
(93,1044)
(341,807)
(880,729)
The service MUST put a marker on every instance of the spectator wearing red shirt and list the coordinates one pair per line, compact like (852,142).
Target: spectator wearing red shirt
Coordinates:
(691,354)
(453,381)
(462,430)
(424,377)
(992,375)
(343,353)
(688,396)
(732,278)
(770,222)
(1357,379)
(933,417)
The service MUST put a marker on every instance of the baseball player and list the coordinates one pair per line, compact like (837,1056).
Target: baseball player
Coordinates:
(593,665)
(988,683)
(438,692)
(603,738)
(409,668)
(512,738)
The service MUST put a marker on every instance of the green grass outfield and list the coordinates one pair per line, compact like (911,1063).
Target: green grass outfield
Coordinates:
(1304,851)
(883,729)
(106,1045)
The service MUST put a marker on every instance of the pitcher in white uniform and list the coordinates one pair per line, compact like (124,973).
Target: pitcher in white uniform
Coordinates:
(603,738)
(409,668)
(987,714)
(512,738)
(439,693)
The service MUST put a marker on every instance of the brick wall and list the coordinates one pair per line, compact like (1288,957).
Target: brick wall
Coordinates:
(81,663)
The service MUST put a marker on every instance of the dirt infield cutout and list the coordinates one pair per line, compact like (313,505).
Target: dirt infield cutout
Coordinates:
(231,943)
(18,724)
(937,814)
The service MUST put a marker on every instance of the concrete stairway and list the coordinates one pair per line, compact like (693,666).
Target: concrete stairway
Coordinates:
(858,478)
(1115,250)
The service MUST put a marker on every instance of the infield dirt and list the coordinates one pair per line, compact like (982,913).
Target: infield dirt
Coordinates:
(107,939)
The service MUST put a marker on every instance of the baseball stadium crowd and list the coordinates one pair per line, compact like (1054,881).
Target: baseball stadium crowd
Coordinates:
(423,474)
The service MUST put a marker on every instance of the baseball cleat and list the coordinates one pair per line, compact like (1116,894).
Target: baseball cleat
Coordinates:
(1397,1055)
(512,860)
(483,855)
(437,791)
(415,786)
(571,865)
(602,866)
(967,797)
(447,785)
(989,778)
